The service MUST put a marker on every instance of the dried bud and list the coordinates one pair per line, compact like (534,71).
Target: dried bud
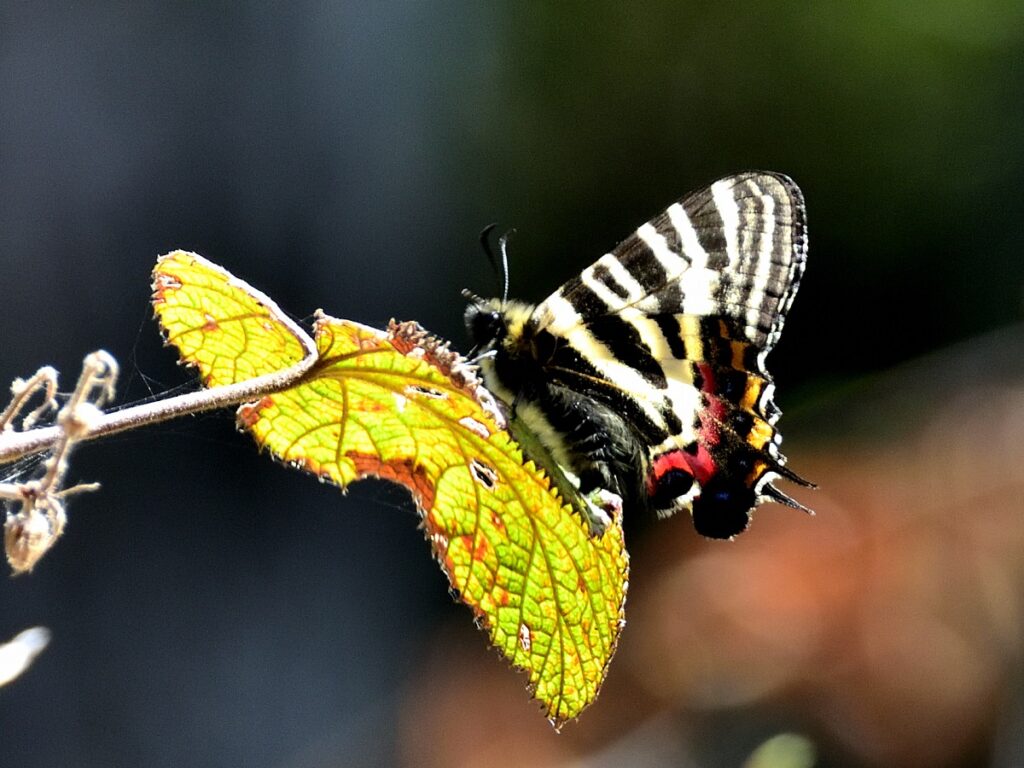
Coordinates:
(30,533)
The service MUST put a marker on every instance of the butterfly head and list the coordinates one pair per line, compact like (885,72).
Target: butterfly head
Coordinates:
(496,324)
(485,321)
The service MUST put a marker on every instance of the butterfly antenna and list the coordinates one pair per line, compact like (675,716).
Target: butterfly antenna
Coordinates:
(503,245)
(485,243)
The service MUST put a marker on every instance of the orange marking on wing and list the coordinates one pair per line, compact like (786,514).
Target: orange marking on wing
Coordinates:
(760,433)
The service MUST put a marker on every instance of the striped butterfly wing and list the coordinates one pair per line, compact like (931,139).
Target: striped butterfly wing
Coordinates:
(735,249)
(672,329)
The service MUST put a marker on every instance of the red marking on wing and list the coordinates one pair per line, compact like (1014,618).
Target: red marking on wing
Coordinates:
(709,387)
(712,415)
(702,466)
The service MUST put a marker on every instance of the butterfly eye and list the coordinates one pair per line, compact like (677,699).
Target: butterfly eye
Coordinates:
(722,509)
(484,325)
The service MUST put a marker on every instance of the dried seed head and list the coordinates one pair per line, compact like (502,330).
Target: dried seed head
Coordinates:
(29,533)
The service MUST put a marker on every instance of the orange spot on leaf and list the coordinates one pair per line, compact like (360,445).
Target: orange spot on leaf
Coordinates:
(249,413)
(400,471)
(482,550)
(403,345)
(162,284)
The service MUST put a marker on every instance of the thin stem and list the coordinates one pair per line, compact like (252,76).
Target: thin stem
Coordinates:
(44,380)
(15,445)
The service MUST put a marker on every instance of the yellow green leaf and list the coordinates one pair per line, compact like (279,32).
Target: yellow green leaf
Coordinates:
(401,406)
(230,331)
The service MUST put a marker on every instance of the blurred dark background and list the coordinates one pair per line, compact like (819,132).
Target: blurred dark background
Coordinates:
(212,608)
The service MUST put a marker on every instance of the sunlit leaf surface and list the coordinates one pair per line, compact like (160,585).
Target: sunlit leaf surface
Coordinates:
(221,325)
(400,406)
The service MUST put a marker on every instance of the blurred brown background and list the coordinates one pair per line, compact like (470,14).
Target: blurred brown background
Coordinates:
(211,608)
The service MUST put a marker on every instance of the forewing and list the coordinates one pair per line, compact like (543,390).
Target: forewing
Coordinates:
(735,249)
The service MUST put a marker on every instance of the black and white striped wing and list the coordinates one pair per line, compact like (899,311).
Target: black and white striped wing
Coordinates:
(709,280)
(735,249)
(671,330)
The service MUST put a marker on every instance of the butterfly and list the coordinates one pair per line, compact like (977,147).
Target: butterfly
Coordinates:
(644,376)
